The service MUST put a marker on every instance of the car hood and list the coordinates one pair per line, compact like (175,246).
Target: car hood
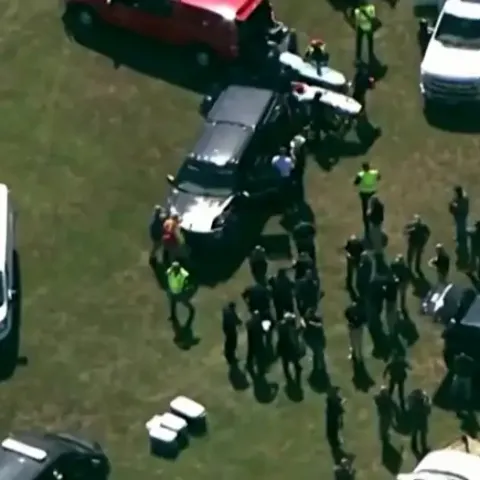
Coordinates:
(197,211)
(451,62)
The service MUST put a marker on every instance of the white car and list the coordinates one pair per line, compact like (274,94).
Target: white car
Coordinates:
(8,271)
(450,70)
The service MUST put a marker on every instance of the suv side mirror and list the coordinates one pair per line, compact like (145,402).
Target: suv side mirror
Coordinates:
(11,294)
(171,179)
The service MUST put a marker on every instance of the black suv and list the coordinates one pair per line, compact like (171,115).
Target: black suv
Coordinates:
(462,334)
(229,167)
(47,456)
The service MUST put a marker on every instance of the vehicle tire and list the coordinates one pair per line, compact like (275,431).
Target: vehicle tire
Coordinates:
(81,20)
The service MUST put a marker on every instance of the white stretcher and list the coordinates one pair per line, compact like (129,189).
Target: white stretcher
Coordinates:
(323,76)
(339,102)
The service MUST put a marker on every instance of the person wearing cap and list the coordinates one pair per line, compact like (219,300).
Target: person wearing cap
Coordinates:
(366,181)
(230,323)
(178,284)
(288,348)
(172,238)
(307,292)
(441,263)
(365,22)
(335,411)
(258,263)
(362,82)
(314,334)
(386,413)
(459,208)
(353,251)
(417,233)
(256,352)
(316,53)
(401,273)
(155,229)
(474,248)
(282,288)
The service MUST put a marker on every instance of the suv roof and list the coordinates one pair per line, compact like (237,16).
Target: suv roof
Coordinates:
(241,105)
(220,143)
(25,455)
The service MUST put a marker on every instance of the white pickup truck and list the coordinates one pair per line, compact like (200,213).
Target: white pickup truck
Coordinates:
(458,461)
(450,70)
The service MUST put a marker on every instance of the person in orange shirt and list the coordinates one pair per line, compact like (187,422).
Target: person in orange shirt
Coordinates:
(173,240)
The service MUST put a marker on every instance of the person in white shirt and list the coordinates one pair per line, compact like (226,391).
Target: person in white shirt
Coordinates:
(283,163)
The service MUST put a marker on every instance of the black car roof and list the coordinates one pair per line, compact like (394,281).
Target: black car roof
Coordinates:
(18,466)
(220,143)
(242,105)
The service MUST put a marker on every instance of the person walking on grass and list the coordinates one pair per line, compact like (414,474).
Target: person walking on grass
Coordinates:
(366,182)
(417,233)
(178,285)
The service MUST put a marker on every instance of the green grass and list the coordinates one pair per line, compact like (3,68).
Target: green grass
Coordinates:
(85,149)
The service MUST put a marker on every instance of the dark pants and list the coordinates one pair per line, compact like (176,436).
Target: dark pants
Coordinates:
(361,37)
(364,199)
(305,304)
(230,348)
(400,385)
(282,306)
(255,360)
(414,257)
(288,359)
(182,299)
(259,270)
(419,435)
(333,433)
(352,268)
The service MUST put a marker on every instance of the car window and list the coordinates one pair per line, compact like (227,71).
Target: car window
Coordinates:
(156,7)
(204,178)
(459,32)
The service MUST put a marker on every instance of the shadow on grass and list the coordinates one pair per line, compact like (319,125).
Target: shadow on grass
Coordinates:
(453,119)
(263,390)
(391,458)
(142,55)
(10,351)
(237,378)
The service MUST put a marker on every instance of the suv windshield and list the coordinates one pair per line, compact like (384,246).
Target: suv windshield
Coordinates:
(459,32)
(205,178)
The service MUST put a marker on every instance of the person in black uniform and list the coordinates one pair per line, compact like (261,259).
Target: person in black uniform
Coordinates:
(459,208)
(423,35)
(258,297)
(441,263)
(356,321)
(256,353)
(258,263)
(288,348)
(401,272)
(282,289)
(386,413)
(396,371)
(230,324)
(474,248)
(303,264)
(334,418)
(417,233)
(390,295)
(362,82)
(420,406)
(314,335)
(304,238)
(307,293)
(353,251)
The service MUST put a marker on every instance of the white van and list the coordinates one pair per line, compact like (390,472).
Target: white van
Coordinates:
(450,70)
(7,264)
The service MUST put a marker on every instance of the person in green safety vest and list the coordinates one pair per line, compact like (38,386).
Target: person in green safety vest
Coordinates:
(366,181)
(365,24)
(178,280)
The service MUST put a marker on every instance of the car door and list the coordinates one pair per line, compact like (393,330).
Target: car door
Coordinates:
(73,466)
(149,18)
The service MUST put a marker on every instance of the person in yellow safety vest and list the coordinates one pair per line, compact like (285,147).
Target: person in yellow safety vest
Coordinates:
(178,283)
(366,181)
(365,24)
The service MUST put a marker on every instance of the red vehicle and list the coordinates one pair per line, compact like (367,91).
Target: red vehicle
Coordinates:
(224,29)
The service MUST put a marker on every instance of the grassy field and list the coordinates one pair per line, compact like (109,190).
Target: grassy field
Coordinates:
(85,148)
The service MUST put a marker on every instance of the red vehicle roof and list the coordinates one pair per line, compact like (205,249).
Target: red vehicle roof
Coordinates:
(228,9)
